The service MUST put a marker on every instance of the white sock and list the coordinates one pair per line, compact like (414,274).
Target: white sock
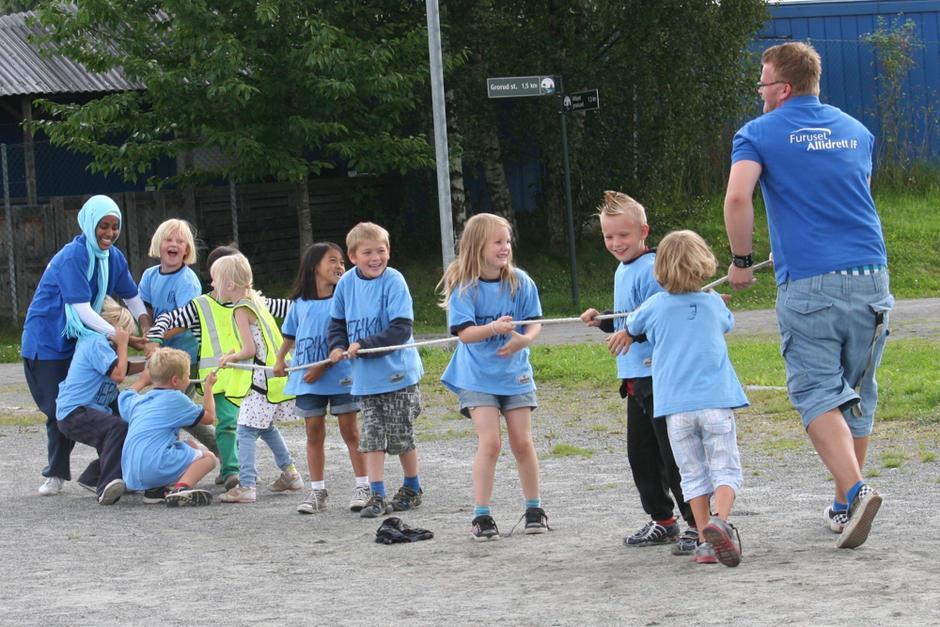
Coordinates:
(362,481)
(318,485)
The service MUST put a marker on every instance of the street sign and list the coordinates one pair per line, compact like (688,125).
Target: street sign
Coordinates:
(520,86)
(582,101)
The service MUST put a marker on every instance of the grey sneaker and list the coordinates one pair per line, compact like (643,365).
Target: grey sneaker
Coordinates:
(359,498)
(653,533)
(112,492)
(188,497)
(686,543)
(406,499)
(836,519)
(484,528)
(376,506)
(314,502)
(861,513)
(718,533)
(704,553)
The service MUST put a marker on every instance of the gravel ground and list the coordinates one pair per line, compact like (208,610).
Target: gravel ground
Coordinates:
(66,560)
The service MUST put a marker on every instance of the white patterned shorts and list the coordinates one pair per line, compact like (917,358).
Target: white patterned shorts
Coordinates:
(704,444)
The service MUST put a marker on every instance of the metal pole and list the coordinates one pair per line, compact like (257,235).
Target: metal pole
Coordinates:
(569,214)
(440,132)
(233,203)
(8,235)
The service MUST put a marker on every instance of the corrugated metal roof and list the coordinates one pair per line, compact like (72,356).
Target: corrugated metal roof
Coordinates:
(23,71)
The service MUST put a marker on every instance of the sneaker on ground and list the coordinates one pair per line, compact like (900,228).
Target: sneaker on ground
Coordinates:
(314,502)
(535,520)
(376,506)
(289,480)
(483,528)
(112,492)
(718,533)
(836,519)
(704,553)
(240,494)
(188,497)
(685,544)
(360,495)
(861,513)
(155,495)
(406,499)
(230,480)
(52,485)
(653,533)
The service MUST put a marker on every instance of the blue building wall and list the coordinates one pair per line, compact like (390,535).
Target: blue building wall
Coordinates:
(848,81)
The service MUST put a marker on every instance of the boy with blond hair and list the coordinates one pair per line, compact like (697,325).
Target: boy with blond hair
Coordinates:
(153,455)
(372,307)
(625,229)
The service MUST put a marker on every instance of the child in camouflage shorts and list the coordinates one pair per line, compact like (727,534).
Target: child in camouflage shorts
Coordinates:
(372,307)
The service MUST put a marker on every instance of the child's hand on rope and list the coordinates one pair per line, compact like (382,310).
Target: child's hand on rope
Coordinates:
(280,368)
(353,350)
(502,325)
(226,359)
(619,343)
(338,354)
(588,317)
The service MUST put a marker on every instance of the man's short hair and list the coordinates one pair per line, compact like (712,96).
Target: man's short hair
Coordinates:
(796,63)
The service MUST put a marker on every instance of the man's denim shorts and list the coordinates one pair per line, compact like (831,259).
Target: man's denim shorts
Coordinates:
(470,399)
(314,405)
(831,343)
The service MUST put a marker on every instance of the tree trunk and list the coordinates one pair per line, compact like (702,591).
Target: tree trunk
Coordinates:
(496,177)
(458,194)
(304,217)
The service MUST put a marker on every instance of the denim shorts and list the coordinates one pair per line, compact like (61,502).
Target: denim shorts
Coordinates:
(704,445)
(314,405)
(388,421)
(469,399)
(831,344)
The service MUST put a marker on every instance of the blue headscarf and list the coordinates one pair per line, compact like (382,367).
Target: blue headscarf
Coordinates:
(94,209)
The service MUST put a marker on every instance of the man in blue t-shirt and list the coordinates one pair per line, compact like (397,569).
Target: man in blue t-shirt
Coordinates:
(814,164)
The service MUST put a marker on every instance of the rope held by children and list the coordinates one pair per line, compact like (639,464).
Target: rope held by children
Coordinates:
(447,340)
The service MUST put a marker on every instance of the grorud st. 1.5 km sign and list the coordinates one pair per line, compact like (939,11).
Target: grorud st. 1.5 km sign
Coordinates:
(520,86)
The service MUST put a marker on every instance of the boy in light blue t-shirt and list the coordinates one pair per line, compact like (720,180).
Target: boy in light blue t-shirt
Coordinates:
(372,308)
(695,388)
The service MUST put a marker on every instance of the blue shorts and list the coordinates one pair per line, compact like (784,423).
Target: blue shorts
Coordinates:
(470,399)
(831,344)
(705,447)
(314,405)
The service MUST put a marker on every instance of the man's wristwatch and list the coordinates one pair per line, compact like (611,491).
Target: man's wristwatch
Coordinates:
(742,261)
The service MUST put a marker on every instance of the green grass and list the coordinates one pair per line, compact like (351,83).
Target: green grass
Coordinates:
(894,458)
(570,450)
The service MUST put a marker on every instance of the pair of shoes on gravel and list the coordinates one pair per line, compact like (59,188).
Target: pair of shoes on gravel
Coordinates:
(394,530)
(405,499)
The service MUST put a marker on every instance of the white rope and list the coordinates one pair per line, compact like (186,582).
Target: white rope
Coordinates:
(447,340)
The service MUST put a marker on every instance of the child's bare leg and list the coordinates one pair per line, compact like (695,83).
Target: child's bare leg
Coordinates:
(701,510)
(316,436)
(486,421)
(375,465)
(724,499)
(409,464)
(519,425)
(199,469)
(349,430)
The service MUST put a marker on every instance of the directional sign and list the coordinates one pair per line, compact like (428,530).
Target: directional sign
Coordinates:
(582,101)
(520,86)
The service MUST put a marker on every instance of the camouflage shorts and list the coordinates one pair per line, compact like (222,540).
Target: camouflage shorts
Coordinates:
(388,421)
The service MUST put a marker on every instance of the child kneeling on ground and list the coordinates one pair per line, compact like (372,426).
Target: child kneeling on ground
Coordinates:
(154,458)
(695,387)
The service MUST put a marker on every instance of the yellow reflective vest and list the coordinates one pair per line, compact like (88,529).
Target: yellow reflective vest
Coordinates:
(218,336)
(240,380)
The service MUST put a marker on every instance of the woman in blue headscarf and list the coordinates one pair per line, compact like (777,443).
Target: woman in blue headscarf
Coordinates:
(66,305)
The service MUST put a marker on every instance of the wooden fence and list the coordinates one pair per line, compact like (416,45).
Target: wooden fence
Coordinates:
(266,217)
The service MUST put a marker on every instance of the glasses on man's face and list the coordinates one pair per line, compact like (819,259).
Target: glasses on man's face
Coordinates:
(760,86)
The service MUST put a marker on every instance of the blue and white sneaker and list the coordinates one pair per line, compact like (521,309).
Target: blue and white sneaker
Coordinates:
(861,513)
(836,519)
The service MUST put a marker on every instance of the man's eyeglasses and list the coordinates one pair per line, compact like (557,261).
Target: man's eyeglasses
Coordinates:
(762,85)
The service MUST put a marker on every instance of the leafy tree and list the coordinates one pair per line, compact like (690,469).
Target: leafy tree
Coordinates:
(16,6)
(283,88)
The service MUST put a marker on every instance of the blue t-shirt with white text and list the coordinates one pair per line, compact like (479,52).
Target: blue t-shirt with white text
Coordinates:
(476,366)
